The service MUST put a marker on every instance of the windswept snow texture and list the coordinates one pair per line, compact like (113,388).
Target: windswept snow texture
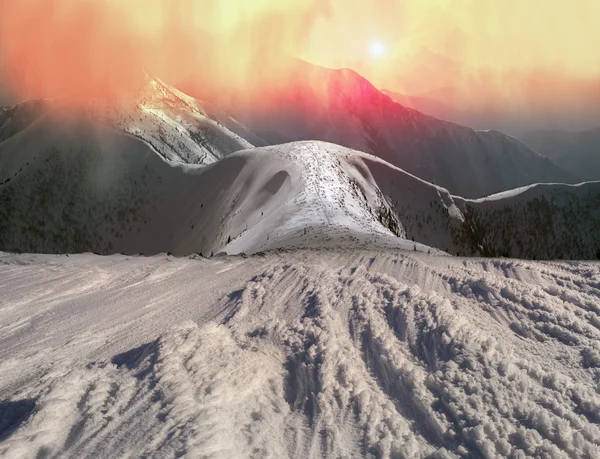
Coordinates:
(303,354)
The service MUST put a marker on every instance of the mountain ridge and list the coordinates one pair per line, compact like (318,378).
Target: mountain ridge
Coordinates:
(124,166)
(340,106)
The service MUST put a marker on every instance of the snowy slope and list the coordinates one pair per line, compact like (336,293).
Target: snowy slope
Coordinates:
(175,125)
(179,128)
(76,186)
(81,187)
(303,354)
(540,221)
(339,106)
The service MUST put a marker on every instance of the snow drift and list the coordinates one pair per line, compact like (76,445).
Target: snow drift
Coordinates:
(302,354)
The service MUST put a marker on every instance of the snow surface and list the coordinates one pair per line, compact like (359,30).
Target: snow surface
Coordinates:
(305,354)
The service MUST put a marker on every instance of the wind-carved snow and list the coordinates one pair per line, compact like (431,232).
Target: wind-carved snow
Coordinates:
(334,200)
(299,354)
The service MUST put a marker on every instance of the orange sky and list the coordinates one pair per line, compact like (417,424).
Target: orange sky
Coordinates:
(477,49)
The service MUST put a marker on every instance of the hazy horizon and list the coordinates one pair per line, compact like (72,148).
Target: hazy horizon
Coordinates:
(488,64)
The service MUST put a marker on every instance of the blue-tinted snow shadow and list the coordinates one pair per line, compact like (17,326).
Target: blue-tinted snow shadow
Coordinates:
(13,414)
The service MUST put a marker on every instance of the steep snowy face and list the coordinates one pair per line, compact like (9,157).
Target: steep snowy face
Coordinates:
(341,107)
(179,128)
(302,354)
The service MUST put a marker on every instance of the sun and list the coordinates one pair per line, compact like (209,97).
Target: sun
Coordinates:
(377,49)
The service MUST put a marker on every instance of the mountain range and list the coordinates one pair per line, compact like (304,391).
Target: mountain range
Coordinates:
(163,172)
(193,278)
(341,107)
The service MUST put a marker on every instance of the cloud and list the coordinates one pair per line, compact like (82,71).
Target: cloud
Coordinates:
(479,33)
(52,47)
(510,52)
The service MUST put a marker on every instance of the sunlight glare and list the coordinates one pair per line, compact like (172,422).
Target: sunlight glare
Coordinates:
(377,49)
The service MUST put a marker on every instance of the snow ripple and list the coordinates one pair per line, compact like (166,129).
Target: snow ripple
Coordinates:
(477,358)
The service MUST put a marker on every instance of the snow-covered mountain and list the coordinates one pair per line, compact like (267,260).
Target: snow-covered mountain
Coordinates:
(576,152)
(77,185)
(179,128)
(542,221)
(124,175)
(339,106)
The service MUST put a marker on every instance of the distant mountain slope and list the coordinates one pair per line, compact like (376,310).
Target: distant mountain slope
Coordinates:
(339,106)
(16,118)
(179,128)
(576,152)
(423,104)
(545,221)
